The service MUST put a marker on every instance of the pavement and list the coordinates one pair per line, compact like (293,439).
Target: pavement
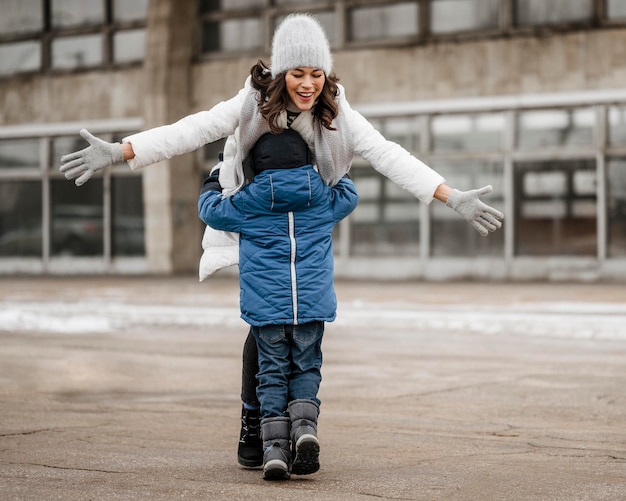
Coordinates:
(128,388)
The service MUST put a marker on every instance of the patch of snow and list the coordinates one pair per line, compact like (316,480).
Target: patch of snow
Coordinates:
(566,320)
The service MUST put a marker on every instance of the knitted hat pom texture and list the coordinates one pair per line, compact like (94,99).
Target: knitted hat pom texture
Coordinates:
(300,41)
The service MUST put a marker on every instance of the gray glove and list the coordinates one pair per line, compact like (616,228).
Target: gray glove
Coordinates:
(482,217)
(84,163)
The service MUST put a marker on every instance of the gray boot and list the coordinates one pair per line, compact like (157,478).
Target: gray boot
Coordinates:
(276,455)
(304,443)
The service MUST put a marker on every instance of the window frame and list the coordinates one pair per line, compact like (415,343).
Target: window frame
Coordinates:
(107,30)
(599,152)
(46,173)
(507,25)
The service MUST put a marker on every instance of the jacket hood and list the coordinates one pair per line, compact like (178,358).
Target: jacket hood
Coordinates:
(281,190)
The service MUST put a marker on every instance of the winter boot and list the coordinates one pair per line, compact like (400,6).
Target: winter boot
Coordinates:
(305,445)
(250,449)
(276,455)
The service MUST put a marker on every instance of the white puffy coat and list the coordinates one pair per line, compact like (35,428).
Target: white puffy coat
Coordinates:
(222,120)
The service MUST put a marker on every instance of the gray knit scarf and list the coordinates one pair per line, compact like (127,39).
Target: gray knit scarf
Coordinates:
(332,149)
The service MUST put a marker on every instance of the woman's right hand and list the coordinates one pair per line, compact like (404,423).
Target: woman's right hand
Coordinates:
(81,165)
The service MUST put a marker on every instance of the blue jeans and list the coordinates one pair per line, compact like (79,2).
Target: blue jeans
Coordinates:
(290,363)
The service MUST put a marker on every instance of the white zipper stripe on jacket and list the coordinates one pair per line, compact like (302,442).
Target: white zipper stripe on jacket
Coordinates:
(294,285)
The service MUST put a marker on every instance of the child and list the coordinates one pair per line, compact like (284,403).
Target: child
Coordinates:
(285,218)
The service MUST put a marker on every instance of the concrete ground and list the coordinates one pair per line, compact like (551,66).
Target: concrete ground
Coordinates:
(127,388)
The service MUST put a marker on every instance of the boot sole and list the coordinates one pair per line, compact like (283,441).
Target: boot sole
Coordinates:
(275,469)
(306,456)
(250,463)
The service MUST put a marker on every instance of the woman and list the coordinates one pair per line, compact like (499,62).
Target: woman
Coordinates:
(298,91)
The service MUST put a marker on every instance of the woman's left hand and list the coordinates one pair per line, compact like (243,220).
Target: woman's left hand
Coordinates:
(480,215)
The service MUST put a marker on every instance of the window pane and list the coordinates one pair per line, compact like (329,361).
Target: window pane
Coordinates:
(68,13)
(404,131)
(127,208)
(617,125)
(450,234)
(232,35)
(616,9)
(461,15)
(482,132)
(21,16)
(291,2)
(530,12)
(616,208)
(77,52)
(387,222)
(20,57)
(62,146)
(123,10)
(20,218)
(129,46)
(371,23)
(19,153)
(555,128)
(77,218)
(217,5)
(556,209)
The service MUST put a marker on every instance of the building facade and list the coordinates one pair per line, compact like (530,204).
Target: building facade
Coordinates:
(526,95)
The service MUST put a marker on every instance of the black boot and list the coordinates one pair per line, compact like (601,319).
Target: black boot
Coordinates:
(276,455)
(304,443)
(250,450)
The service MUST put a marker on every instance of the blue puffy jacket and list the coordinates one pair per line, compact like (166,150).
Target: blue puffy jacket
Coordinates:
(285,219)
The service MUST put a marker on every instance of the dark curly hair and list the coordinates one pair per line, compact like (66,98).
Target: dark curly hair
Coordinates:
(273,98)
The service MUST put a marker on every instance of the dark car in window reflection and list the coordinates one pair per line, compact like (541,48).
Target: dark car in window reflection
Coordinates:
(26,241)
(77,230)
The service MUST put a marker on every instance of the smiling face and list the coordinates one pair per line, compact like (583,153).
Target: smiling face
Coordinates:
(304,85)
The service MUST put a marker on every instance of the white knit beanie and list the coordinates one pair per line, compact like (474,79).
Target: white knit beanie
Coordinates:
(300,41)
